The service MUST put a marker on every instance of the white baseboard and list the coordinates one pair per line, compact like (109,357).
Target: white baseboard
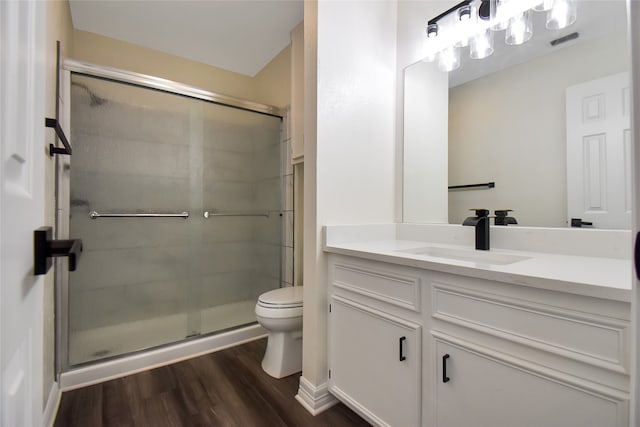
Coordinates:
(314,399)
(53,403)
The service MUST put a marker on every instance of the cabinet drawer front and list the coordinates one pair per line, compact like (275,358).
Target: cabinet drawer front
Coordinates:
(491,389)
(589,338)
(386,285)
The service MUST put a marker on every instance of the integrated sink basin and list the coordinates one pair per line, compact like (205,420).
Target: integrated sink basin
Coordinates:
(469,255)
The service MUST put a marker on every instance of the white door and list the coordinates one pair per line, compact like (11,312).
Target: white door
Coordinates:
(599,152)
(633,8)
(22,152)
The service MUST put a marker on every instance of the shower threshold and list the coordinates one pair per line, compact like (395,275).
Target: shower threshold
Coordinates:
(125,342)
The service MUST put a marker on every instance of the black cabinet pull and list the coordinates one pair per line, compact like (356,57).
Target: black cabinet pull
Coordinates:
(636,255)
(445,378)
(401,350)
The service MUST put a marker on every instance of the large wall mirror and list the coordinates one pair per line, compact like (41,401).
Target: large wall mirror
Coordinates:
(548,123)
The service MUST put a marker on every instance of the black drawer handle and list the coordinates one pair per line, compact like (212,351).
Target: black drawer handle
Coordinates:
(445,378)
(401,348)
(637,255)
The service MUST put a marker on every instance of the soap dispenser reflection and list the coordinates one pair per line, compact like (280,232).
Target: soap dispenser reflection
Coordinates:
(481,223)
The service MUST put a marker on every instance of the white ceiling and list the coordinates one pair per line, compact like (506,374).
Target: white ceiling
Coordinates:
(237,35)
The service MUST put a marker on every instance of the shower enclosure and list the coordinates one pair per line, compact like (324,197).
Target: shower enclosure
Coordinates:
(178,202)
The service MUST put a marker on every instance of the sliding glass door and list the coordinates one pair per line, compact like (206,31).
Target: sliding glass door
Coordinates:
(178,204)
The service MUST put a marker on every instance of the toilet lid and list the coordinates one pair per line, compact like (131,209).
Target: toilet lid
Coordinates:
(290,296)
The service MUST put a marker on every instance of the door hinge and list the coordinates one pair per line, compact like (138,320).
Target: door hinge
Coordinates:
(329,308)
(329,373)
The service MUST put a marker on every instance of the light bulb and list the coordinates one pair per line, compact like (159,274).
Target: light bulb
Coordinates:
(543,6)
(520,29)
(432,30)
(562,14)
(481,46)
(464,23)
(498,15)
(428,51)
(449,59)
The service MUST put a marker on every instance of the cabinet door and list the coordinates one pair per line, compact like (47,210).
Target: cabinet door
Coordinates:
(480,390)
(374,362)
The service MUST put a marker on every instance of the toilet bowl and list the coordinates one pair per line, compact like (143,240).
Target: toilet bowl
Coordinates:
(280,313)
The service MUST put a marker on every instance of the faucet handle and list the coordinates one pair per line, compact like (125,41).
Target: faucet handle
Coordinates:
(503,212)
(480,212)
(502,217)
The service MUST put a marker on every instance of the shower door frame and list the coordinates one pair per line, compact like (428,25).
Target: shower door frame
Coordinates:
(164,85)
(72,66)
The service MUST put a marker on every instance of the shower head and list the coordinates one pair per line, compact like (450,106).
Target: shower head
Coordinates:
(95,100)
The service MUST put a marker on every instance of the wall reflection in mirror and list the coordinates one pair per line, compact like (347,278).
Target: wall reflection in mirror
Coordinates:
(547,121)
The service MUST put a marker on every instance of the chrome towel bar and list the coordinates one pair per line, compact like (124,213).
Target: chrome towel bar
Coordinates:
(95,215)
(208,214)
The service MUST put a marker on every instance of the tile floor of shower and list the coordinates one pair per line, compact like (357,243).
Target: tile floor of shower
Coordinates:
(113,340)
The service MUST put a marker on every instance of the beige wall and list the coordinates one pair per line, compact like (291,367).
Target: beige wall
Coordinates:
(102,50)
(59,27)
(273,82)
(493,135)
(270,86)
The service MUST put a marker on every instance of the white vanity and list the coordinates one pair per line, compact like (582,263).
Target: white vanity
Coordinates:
(423,330)
(426,331)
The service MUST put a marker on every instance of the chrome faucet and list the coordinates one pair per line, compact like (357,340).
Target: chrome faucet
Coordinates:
(481,223)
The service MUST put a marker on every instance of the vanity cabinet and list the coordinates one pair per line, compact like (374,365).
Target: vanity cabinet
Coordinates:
(375,343)
(508,355)
(482,388)
(375,363)
(416,347)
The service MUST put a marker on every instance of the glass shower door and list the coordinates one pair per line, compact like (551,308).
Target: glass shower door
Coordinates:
(132,156)
(149,275)
(242,231)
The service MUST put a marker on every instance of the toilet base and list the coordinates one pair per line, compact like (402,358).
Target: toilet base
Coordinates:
(283,356)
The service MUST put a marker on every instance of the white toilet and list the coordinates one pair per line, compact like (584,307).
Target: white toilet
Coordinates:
(280,312)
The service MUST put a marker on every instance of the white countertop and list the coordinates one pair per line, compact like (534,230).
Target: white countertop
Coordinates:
(599,277)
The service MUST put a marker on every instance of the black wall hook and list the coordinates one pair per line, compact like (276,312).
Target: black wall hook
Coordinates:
(53,123)
(44,248)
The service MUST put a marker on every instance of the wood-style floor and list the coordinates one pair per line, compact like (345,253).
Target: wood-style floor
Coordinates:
(226,388)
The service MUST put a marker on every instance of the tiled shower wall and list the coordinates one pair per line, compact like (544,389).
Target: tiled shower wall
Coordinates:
(137,269)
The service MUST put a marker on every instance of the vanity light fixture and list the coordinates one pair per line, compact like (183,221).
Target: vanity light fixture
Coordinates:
(449,59)
(562,14)
(472,23)
(432,30)
(499,14)
(544,6)
(520,29)
(464,23)
(481,46)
